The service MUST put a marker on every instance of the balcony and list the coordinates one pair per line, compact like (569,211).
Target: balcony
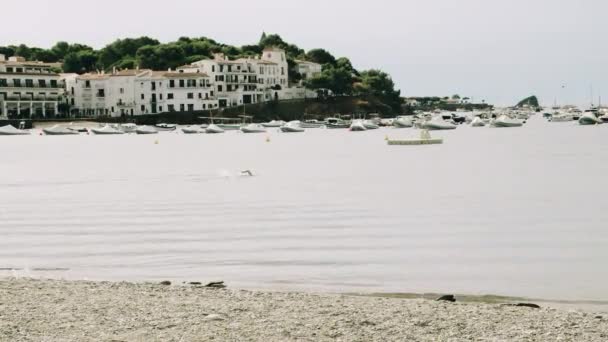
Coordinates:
(32,86)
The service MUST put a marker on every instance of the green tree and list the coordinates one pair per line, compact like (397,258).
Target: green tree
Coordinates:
(321,56)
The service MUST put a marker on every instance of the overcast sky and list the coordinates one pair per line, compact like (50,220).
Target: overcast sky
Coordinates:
(500,51)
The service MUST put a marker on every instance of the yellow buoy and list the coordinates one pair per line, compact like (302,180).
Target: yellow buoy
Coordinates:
(267,138)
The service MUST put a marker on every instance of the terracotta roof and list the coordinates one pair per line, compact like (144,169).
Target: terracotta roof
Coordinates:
(93,77)
(171,74)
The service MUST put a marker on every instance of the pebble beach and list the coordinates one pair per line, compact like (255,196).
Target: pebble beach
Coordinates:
(57,310)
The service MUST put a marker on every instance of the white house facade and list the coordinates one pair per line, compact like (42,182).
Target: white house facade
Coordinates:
(29,89)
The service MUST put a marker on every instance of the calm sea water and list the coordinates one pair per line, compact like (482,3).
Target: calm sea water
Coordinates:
(519,211)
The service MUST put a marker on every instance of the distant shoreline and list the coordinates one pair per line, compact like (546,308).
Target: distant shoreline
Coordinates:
(86,311)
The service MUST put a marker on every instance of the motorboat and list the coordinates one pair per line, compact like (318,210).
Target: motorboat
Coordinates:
(146,130)
(604,118)
(561,117)
(369,124)
(589,118)
(58,130)
(165,127)
(336,123)
(106,130)
(403,122)
(357,126)
(10,130)
(253,128)
(505,121)
(387,122)
(477,122)
(75,128)
(312,124)
(274,124)
(292,127)
(128,127)
(192,130)
(230,127)
(437,123)
(214,129)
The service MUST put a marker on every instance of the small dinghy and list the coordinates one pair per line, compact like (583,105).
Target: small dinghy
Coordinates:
(437,124)
(274,124)
(146,130)
(403,122)
(369,124)
(58,130)
(75,128)
(292,127)
(505,121)
(193,130)
(357,126)
(10,130)
(477,122)
(253,128)
(165,127)
(425,139)
(214,129)
(106,130)
(589,118)
(128,127)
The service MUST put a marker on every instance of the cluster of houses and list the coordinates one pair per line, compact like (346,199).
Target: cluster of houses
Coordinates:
(33,89)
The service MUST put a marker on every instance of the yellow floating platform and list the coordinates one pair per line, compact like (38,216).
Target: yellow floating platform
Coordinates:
(416,142)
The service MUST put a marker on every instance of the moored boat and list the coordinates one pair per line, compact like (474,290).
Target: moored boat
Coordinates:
(253,128)
(357,126)
(437,123)
(370,124)
(505,121)
(10,130)
(292,127)
(274,124)
(477,122)
(58,130)
(146,130)
(214,129)
(106,130)
(589,118)
(403,122)
(128,127)
(192,130)
(165,127)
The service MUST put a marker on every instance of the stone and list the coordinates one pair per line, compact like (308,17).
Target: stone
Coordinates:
(216,284)
(528,305)
(165,282)
(447,298)
(214,317)
(195,283)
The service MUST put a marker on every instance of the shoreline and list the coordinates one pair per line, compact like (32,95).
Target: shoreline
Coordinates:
(59,310)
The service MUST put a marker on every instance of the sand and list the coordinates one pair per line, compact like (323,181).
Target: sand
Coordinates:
(55,310)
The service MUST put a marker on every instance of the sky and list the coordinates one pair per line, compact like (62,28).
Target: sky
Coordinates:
(497,51)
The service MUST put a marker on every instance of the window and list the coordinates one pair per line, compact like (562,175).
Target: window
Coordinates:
(17,83)
(190,107)
(101,93)
(282,71)
(19,70)
(171,108)
(160,109)
(87,84)
(9,69)
(200,95)
(171,83)
(42,83)
(29,83)
(182,107)
(122,90)
(219,88)
(190,95)
(170,96)
(3,82)
(153,85)
(181,83)
(160,96)
(143,96)
(213,68)
(143,108)
(53,83)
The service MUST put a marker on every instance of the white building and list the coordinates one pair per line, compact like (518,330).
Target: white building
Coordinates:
(138,92)
(245,80)
(28,89)
(308,69)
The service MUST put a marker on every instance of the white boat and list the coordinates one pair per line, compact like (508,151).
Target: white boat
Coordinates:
(292,127)
(106,130)
(387,122)
(75,128)
(128,127)
(369,124)
(146,130)
(561,117)
(274,124)
(505,121)
(165,127)
(437,123)
(604,118)
(589,118)
(477,122)
(403,122)
(192,130)
(357,126)
(58,130)
(230,127)
(214,129)
(312,124)
(10,130)
(253,128)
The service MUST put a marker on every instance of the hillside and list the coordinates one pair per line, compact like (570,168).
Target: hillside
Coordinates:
(531,101)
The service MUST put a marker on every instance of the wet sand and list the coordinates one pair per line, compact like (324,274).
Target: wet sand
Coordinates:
(56,310)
